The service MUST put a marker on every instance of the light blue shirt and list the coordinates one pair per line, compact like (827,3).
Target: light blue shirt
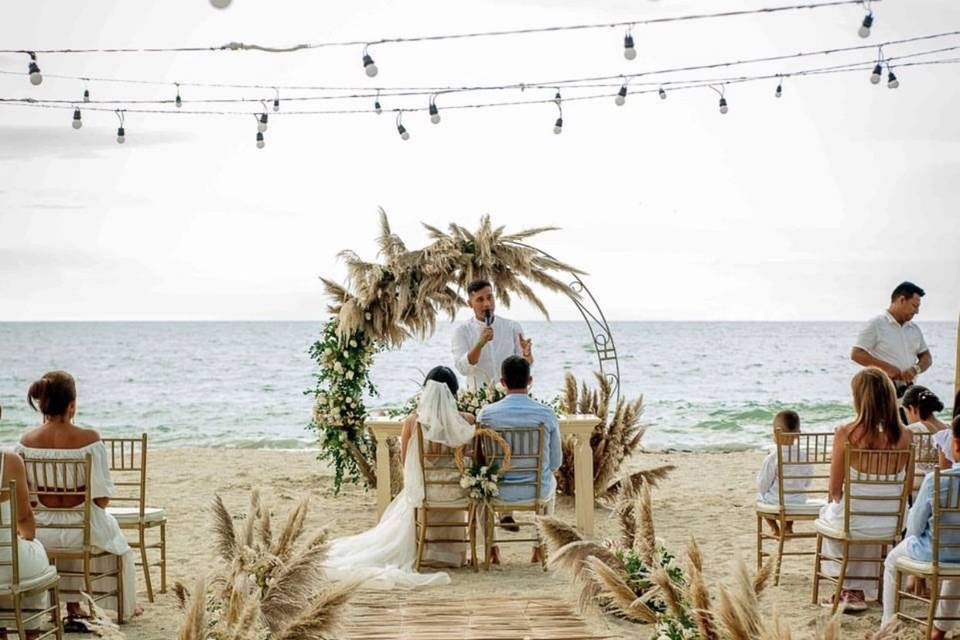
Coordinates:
(520,411)
(920,521)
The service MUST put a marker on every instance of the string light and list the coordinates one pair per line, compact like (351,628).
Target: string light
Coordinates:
(376,104)
(368,65)
(779,91)
(260,141)
(864,30)
(892,82)
(402,130)
(33,69)
(723,99)
(434,112)
(628,50)
(276,100)
(178,101)
(77,122)
(621,95)
(558,125)
(262,122)
(86,95)
(662,94)
(121,133)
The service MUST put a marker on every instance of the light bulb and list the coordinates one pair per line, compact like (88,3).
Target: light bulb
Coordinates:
(402,130)
(260,141)
(621,96)
(628,51)
(779,91)
(86,95)
(377,107)
(77,122)
(864,30)
(178,101)
(276,104)
(877,73)
(892,82)
(221,4)
(723,105)
(121,136)
(663,94)
(369,66)
(262,125)
(558,126)
(434,114)
(35,76)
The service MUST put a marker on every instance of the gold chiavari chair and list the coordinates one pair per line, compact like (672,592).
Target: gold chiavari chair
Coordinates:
(441,468)
(128,467)
(876,485)
(16,589)
(800,457)
(59,480)
(946,541)
(926,457)
(523,447)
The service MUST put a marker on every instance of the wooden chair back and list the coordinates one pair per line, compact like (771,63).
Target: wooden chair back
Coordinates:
(946,516)
(439,465)
(128,468)
(9,547)
(877,484)
(61,478)
(519,451)
(800,457)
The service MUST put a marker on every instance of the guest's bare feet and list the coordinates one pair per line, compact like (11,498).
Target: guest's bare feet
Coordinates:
(937,634)
(137,611)
(535,558)
(494,555)
(774,527)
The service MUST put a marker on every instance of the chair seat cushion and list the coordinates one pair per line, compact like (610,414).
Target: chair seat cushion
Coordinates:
(826,530)
(919,566)
(49,574)
(131,515)
(810,508)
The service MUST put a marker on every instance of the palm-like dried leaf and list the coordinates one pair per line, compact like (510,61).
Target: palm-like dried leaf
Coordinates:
(627,516)
(646,538)
(557,533)
(253,517)
(669,591)
(321,619)
(224,534)
(570,393)
(182,594)
(762,577)
(630,485)
(699,595)
(619,595)
(291,588)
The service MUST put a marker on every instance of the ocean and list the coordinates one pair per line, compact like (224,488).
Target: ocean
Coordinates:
(706,385)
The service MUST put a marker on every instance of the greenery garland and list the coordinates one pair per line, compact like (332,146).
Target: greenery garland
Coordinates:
(339,411)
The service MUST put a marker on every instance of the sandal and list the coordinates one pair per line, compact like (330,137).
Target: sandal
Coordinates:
(75,624)
(851,600)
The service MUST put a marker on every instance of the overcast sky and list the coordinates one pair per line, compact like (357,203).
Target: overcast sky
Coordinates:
(808,207)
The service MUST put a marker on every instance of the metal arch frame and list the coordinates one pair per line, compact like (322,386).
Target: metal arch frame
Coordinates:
(597,324)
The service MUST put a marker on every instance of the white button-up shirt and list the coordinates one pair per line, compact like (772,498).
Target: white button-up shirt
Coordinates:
(886,339)
(505,343)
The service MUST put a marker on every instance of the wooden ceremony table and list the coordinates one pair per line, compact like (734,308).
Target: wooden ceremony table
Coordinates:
(578,426)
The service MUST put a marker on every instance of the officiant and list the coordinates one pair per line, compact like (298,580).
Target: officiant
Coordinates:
(482,342)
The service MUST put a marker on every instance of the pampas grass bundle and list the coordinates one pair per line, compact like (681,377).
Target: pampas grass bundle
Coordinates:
(269,586)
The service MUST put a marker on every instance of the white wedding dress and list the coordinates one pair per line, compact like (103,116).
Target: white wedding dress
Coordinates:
(384,556)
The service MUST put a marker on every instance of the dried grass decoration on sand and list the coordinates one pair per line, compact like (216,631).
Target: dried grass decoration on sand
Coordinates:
(635,577)
(269,586)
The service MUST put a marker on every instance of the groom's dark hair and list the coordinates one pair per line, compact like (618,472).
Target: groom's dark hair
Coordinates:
(515,372)
(444,375)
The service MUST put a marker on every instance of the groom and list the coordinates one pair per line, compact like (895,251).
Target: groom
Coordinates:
(483,342)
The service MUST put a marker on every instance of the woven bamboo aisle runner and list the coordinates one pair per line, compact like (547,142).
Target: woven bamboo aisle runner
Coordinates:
(434,617)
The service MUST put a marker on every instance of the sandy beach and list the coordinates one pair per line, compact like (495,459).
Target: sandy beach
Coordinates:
(709,496)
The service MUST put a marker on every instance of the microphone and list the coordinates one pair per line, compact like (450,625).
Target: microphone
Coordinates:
(487,317)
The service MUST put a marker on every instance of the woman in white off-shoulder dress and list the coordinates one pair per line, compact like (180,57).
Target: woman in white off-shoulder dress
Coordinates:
(58,438)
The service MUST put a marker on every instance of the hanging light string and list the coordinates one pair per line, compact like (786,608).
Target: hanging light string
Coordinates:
(425,90)
(240,46)
(622,80)
(711,83)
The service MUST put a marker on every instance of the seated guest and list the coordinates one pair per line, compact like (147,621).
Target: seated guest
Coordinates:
(518,410)
(32,556)
(918,545)
(788,422)
(943,439)
(921,406)
(876,426)
(55,395)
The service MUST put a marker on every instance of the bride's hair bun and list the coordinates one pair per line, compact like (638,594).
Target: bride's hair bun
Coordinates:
(444,375)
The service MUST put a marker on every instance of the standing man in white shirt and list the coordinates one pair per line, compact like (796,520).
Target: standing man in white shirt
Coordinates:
(483,342)
(892,342)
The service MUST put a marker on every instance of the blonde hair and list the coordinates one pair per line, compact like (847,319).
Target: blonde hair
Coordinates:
(875,402)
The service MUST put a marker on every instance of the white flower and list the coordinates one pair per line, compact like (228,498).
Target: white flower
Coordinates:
(349,375)
(327,351)
(483,471)
(353,343)
(337,367)
(368,316)
(465,482)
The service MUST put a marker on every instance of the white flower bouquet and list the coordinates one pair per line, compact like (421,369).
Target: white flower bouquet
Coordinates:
(480,481)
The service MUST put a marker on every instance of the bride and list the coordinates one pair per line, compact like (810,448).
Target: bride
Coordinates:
(385,555)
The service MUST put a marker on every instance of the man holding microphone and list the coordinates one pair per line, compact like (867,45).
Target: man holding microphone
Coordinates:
(483,342)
